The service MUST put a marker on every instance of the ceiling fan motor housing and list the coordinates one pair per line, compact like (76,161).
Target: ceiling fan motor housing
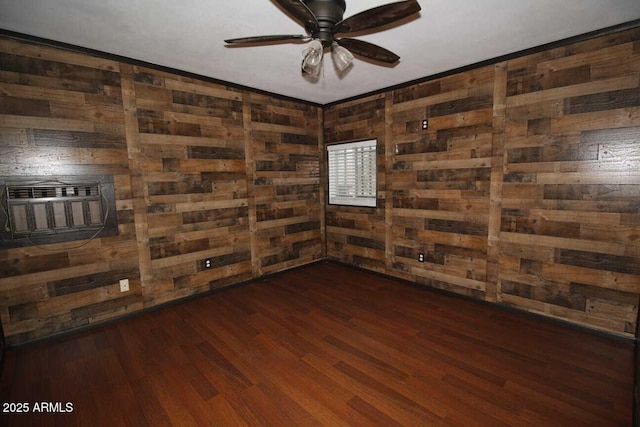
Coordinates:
(328,13)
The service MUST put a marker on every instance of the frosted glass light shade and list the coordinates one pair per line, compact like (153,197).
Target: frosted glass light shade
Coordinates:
(342,58)
(312,58)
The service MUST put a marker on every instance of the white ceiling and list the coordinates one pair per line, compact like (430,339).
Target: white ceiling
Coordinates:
(188,35)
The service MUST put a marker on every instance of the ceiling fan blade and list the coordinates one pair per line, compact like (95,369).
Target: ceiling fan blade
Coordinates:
(267,39)
(368,50)
(377,16)
(300,12)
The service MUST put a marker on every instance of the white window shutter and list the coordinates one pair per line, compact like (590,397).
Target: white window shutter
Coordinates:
(353,173)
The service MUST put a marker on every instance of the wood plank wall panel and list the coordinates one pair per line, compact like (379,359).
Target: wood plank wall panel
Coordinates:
(524,190)
(61,114)
(186,189)
(286,183)
(356,235)
(570,221)
(193,166)
(556,156)
(441,181)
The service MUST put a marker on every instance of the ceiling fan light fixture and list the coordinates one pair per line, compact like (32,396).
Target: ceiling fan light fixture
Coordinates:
(312,58)
(323,19)
(342,58)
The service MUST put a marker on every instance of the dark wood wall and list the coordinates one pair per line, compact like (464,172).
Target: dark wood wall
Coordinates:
(570,223)
(61,113)
(356,235)
(524,190)
(288,226)
(201,171)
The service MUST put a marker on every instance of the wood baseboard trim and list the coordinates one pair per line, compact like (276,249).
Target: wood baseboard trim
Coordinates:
(560,322)
(147,310)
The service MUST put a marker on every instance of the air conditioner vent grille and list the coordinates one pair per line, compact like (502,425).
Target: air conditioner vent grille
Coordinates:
(53,191)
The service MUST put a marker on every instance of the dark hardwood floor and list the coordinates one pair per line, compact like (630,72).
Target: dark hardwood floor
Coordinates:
(325,345)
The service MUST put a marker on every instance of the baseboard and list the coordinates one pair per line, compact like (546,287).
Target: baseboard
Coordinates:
(509,308)
(81,329)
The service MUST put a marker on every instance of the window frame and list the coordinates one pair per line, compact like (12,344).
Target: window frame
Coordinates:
(355,201)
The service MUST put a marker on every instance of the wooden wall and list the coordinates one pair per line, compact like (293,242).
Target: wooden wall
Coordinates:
(61,114)
(201,171)
(288,226)
(570,225)
(524,190)
(356,235)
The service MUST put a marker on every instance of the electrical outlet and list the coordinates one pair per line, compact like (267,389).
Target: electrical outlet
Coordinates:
(124,285)
(421,257)
(425,124)
(207,263)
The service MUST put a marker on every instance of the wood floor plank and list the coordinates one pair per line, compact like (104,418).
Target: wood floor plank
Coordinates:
(400,413)
(150,406)
(325,345)
(225,414)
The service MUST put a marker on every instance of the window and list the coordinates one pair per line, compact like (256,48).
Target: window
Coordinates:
(352,173)
(39,210)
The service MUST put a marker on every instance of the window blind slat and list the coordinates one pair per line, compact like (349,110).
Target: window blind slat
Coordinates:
(352,173)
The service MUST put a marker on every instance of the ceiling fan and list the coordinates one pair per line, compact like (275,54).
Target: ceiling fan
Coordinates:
(323,19)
